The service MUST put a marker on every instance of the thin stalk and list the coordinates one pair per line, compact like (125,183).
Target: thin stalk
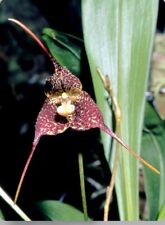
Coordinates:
(117,113)
(107,85)
(34,37)
(25,169)
(15,207)
(112,184)
(82,185)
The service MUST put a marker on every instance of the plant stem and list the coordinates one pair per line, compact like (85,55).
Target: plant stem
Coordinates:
(82,185)
(10,202)
(108,87)
(112,183)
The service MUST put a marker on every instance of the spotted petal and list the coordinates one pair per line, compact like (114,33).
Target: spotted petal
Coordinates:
(49,122)
(87,114)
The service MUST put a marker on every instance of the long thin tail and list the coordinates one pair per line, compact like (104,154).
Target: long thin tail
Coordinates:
(27,30)
(25,170)
(113,135)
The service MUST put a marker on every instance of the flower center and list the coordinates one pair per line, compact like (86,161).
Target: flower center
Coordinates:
(66,108)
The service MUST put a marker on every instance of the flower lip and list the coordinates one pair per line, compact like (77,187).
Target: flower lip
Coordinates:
(66,108)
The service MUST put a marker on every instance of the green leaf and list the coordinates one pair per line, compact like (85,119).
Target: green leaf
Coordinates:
(1,215)
(118,38)
(65,48)
(56,210)
(153,143)
(162,213)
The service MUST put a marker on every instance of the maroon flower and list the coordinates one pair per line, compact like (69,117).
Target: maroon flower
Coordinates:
(66,105)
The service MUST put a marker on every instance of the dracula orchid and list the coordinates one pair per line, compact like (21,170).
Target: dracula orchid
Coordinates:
(66,106)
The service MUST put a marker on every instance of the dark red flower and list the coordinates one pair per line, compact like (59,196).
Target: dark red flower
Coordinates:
(66,105)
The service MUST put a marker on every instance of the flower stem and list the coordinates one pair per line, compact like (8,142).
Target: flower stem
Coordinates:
(82,185)
(117,113)
(112,183)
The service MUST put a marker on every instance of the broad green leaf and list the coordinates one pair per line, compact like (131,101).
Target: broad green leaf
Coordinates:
(118,38)
(153,148)
(65,48)
(59,211)
(161,215)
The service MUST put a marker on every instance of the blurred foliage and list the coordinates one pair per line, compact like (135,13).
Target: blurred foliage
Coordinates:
(153,147)
(157,86)
(1,216)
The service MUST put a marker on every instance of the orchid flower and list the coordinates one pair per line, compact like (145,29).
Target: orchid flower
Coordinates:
(66,106)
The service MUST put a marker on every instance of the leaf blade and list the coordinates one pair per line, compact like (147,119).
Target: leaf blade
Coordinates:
(114,40)
(56,210)
(65,48)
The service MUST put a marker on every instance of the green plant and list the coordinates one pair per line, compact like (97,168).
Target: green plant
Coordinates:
(119,40)
(113,44)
